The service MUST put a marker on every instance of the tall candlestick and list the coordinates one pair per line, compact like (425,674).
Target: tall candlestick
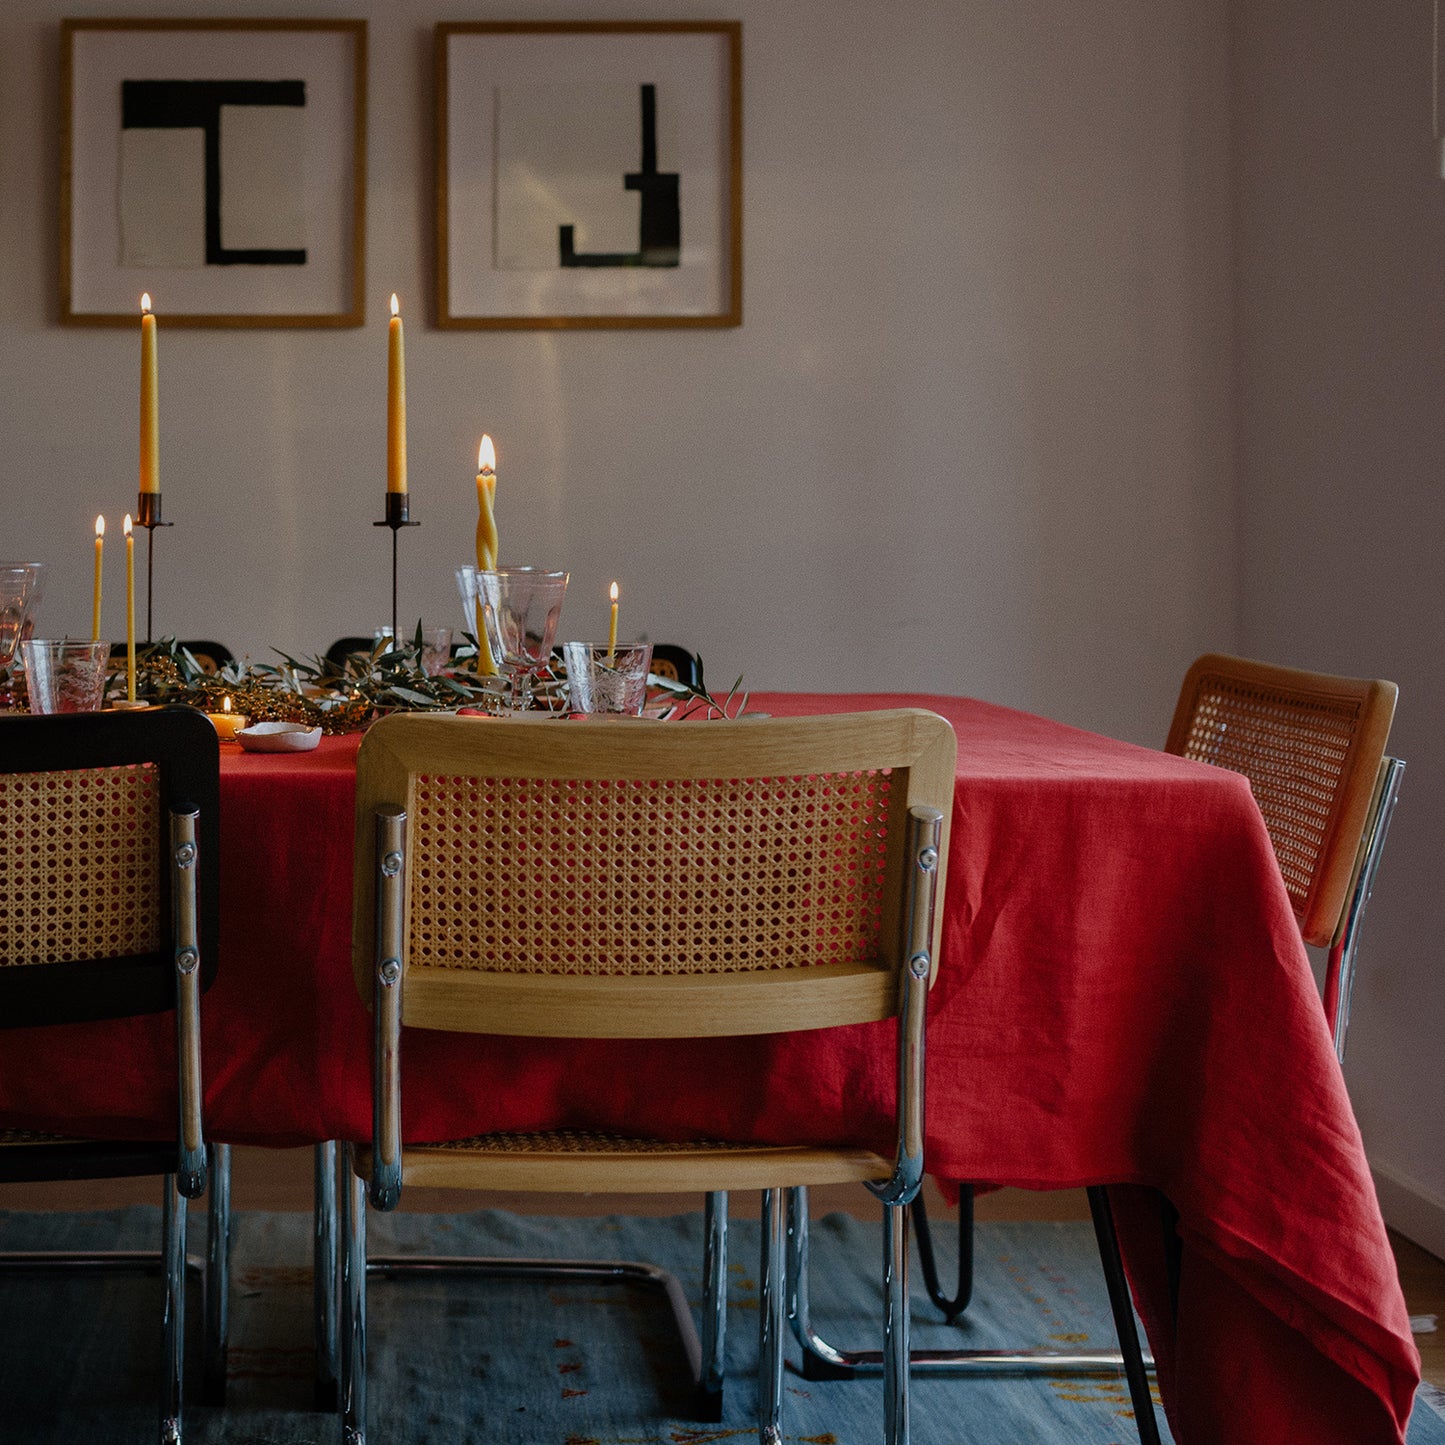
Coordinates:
(129,612)
(395,405)
(150,424)
(95,600)
(612,628)
(486,541)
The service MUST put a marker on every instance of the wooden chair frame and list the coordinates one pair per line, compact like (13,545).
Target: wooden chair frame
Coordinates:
(916,748)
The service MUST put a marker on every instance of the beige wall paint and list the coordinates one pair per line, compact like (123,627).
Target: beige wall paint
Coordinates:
(974,435)
(1342,377)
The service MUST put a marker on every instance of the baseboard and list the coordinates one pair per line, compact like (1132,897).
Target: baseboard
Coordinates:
(1411,1208)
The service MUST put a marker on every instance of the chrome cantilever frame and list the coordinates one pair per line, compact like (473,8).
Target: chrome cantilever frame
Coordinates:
(822,1360)
(191,1166)
(705,1358)
(785,1220)
(1340,972)
(189,1181)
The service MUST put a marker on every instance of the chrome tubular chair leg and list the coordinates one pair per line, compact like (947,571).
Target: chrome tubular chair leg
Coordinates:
(323,1273)
(173,1326)
(772,1310)
(895,1323)
(353,1307)
(1340,976)
(824,1361)
(820,1360)
(714,1307)
(1134,1368)
(218,1276)
(928,1264)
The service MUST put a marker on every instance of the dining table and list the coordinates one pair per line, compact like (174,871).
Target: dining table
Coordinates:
(1122,998)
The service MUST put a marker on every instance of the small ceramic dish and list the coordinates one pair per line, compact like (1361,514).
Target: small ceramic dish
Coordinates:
(278,737)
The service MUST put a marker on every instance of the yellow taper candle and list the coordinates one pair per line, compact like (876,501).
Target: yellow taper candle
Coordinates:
(150,415)
(129,612)
(486,539)
(95,598)
(395,404)
(612,628)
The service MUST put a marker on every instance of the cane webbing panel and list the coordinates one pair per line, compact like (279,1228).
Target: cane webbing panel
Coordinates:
(81,853)
(528,875)
(1294,751)
(571,1141)
(18,1138)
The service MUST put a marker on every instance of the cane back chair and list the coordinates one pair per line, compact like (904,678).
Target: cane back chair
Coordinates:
(108,847)
(597,814)
(1313,748)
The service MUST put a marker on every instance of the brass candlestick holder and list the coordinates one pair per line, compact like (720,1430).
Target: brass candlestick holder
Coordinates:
(148,515)
(398,515)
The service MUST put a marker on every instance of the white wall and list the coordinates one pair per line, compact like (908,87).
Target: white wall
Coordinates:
(1342,458)
(974,435)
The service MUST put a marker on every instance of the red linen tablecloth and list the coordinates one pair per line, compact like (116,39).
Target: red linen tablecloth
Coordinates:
(1122,998)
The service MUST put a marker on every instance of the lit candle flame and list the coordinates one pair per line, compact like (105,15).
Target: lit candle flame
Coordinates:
(145,303)
(395,305)
(486,455)
(226,703)
(612,592)
(125,526)
(100,526)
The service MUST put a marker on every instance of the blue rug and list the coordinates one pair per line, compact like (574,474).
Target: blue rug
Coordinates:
(462,1363)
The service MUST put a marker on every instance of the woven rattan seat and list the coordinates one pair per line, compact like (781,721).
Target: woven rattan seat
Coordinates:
(11,1138)
(660,881)
(571,1141)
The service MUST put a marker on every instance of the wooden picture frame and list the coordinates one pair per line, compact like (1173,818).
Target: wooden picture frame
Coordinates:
(589,174)
(144,149)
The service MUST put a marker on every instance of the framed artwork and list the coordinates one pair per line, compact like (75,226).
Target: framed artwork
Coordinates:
(589,174)
(219,165)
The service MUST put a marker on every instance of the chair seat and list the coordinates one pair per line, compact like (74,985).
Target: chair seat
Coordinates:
(9,1137)
(567,1160)
(28,1155)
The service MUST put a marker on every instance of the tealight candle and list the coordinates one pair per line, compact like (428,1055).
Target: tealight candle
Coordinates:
(227,723)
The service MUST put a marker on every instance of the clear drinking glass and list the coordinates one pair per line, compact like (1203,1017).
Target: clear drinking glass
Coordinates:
(436,646)
(21,584)
(64,676)
(603,679)
(467,586)
(520,607)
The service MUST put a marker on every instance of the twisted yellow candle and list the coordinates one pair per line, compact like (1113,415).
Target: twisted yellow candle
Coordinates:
(612,628)
(150,424)
(95,599)
(486,539)
(129,612)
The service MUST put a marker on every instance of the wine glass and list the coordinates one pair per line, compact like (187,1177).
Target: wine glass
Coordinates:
(20,587)
(520,607)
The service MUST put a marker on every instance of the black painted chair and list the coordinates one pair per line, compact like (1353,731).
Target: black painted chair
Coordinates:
(109,829)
